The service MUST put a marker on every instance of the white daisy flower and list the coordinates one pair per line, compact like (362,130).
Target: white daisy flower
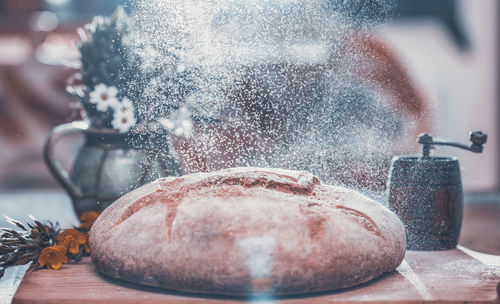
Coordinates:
(124,106)
(179,123)
(123,120)
(104,97)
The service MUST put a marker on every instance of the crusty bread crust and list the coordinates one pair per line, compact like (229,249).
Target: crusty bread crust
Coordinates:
(246,231)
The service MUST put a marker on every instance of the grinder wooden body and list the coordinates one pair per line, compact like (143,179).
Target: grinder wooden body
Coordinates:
(427,196)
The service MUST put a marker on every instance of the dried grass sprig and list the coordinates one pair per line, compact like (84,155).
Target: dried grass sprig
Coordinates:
(44,245)
(24,246)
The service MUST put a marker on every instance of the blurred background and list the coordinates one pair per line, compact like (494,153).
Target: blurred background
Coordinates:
(449,49)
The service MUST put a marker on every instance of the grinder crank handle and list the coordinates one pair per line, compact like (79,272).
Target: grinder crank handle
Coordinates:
(478,139)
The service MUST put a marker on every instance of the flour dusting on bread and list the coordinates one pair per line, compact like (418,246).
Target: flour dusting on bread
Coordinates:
(247,231)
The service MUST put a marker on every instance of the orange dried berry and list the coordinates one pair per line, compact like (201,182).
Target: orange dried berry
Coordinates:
(71,239)
(87,219)
(86,246)
(53,257)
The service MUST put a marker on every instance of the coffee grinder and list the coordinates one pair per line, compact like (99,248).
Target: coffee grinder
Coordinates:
(426,193)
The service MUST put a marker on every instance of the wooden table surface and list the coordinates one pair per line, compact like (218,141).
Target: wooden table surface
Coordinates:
(452,276)
(480,231)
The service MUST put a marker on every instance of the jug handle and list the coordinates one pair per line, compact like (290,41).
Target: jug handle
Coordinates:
(54,166)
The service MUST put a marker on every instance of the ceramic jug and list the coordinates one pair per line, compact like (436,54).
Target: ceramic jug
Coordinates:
(109,164)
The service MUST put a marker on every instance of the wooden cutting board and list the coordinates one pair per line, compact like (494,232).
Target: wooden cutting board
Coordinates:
(453,276)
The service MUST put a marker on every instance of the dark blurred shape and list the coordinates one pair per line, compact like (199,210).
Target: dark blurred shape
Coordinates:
(360,11)
(71,11)
(32,101)
(446,11)
(14,14)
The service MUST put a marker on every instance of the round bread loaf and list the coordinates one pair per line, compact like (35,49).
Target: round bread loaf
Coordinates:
(246,231)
